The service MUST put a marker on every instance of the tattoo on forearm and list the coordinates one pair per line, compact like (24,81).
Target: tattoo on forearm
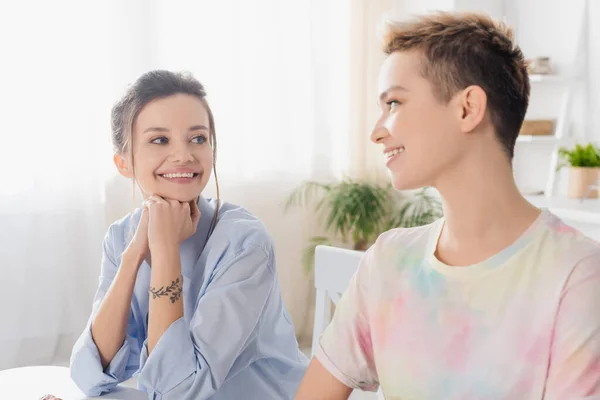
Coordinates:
(173,291)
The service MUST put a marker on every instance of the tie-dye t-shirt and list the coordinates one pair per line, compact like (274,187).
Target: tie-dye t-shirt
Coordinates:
(523,324)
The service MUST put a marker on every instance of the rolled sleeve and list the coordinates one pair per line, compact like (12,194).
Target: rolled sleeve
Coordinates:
(574,371)
(345,349)
(85,364)
(171,362)
(194,360)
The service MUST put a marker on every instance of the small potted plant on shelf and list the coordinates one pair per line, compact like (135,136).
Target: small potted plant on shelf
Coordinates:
(584,169)
(361,211)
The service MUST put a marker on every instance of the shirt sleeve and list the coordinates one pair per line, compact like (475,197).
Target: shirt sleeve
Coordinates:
(194,360)
(86,366)
(345,349)
(574,371)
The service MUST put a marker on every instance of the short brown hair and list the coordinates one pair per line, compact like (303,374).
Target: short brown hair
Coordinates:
(463,49)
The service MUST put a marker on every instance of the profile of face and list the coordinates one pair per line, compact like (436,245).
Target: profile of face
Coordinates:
(421,136)
(172,155)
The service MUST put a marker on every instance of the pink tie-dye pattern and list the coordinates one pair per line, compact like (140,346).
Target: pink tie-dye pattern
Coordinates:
(589,382)
(457,351)
(365,342)
(574,381)
(469,337)
(559,226)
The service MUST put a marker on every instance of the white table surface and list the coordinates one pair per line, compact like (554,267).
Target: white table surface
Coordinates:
(31,383)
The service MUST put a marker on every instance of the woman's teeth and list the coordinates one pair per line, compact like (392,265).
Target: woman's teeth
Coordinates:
(179,175)
(392,153)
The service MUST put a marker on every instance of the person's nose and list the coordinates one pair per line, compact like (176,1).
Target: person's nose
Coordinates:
(379,132)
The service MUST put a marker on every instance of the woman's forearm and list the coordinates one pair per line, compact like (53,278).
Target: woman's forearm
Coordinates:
(166,286)
(109,326)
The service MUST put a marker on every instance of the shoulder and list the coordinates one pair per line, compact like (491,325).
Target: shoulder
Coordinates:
(408,235)
(566,244)
(395,251)
(240,230)
(406,241)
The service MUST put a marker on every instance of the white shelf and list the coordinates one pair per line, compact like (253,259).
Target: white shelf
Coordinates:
(537,78)
(576,75)
(537,139)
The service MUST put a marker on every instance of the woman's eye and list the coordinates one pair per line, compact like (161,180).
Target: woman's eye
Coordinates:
(199,139)
(392,104)
(160,140)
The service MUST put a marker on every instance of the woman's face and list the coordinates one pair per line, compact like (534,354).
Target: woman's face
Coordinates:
(172,155)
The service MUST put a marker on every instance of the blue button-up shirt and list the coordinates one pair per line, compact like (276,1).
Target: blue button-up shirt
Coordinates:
(235,340)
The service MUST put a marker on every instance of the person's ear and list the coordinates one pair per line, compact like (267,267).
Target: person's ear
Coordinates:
(123,165)
(472,105)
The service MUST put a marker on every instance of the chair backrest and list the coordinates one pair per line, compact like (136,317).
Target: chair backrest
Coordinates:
(334,267)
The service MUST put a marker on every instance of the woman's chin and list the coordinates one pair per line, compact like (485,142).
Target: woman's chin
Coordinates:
(184,198)
(181,197)
(405,183)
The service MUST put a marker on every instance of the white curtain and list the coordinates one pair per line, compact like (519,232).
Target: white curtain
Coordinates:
(53,120)
(291,87)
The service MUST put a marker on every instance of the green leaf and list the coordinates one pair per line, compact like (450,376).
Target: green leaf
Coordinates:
(580,156)
(304,194)
(361,211)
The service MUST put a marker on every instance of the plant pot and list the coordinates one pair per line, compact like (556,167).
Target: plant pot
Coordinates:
(580,180)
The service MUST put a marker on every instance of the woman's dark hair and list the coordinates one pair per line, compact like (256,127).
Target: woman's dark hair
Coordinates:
(151,86)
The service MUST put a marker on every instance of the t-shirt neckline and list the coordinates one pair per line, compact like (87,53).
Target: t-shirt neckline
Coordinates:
(490,263)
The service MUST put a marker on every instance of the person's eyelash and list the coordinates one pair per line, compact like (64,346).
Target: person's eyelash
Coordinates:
(153,141)
(204,139)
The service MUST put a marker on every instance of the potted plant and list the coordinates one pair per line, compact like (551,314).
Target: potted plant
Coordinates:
(584,168)
(361,211)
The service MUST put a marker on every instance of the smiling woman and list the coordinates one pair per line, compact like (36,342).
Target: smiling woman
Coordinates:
(170,153)
(189,301)
(286,83)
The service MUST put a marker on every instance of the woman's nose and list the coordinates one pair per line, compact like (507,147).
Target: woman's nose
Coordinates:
(182,153)
(379,133)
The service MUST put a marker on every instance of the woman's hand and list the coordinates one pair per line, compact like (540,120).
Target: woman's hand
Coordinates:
(170,222)
(138,247)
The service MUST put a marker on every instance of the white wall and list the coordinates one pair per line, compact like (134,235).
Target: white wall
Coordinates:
(543,28)
(554,28)
(594,67)
(494,8)
(418,7)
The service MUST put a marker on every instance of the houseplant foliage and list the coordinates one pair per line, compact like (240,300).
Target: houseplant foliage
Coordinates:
(584,169)
(580,156)
(360,211)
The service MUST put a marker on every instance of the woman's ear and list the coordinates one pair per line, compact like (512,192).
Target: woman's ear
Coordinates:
(473,104)
(123,165)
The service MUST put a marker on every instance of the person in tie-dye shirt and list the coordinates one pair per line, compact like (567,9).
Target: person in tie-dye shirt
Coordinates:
(497,299)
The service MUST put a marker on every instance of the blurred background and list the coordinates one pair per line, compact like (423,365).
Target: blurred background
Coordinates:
(292,85)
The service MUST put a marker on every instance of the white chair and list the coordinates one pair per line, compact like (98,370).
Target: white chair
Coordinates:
(334,268)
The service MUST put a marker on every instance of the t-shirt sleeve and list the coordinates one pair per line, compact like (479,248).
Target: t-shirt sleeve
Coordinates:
(575,355)
(345,349)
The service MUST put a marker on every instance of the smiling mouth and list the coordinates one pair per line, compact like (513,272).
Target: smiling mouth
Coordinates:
(394,152)
(179,175)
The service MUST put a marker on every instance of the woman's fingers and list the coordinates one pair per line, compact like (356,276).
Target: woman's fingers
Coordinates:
(154,199)
(170,221)
(174,203)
